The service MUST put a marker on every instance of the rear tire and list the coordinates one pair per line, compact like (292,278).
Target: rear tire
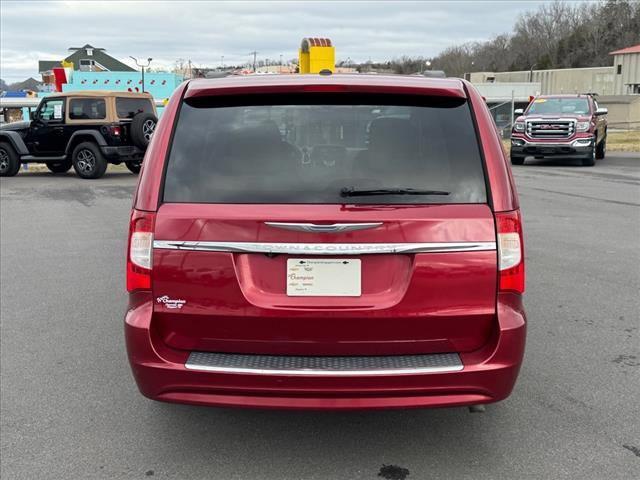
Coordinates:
(88,161)
(590,161)
(601,149)
(517,160)
(142,128)
(134,167)
(59,167)
(9,161)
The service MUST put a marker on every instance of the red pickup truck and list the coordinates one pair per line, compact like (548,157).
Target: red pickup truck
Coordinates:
(560,126)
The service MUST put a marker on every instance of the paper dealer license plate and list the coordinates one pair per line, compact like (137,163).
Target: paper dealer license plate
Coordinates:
(339,277)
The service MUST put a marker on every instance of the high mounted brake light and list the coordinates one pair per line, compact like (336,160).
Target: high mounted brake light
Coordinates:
(510,251)
(140,251)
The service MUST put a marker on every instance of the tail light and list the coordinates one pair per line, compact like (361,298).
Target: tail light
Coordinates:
(140,251)
(510,251)
(115,130)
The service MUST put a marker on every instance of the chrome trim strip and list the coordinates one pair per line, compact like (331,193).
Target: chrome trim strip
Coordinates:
(572,143)
(315,228)
(326,373)
(325,248)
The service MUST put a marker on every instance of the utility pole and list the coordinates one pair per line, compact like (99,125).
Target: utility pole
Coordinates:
(254,53)
(513,106)
(531,72)
(143,66)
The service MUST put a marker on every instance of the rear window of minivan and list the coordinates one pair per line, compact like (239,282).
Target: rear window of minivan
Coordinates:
(310,148)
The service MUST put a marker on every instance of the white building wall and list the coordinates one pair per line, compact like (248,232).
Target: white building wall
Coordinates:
(628,81)
(502,91)
(598,80)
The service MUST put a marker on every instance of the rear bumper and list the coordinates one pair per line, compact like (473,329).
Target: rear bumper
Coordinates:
(488,375)
(576,147)
(123,153)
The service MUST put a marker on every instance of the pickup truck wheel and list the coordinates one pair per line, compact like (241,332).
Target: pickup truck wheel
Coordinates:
(590,161)
(59,167)
(142,127)
(517,160)
(134,167)
(88,161)
(9,161)
(601,149)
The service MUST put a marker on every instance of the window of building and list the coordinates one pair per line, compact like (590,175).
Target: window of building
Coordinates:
(619,69)
(87,65)
(87,109)
(89,52)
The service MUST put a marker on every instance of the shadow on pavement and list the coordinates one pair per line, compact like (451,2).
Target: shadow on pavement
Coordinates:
(331,442)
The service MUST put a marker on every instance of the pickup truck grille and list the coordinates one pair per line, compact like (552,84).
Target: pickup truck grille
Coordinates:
(550,128)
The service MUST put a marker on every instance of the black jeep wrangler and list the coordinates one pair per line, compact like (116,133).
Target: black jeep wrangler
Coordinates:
(86,130)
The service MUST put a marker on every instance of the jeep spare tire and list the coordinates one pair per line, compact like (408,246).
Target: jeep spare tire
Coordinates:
(142,128)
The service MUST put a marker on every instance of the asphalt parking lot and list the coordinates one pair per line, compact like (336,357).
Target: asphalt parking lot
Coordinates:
(70,408)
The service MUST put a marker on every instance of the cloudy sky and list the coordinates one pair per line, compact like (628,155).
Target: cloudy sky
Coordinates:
(203,31)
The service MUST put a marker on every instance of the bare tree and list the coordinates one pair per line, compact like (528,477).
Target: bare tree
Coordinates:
(407,65)
(557,35)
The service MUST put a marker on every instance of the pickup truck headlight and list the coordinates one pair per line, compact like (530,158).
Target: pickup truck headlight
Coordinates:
(518,127)
(583,126)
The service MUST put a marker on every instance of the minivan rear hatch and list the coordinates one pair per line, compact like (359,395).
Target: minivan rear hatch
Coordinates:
(324,224)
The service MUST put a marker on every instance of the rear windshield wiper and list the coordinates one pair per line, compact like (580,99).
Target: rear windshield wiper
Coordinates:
(362,192)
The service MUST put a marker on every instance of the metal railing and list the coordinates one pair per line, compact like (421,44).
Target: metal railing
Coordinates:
(503,115)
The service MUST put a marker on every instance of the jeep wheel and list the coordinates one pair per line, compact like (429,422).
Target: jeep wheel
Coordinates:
(88,161)
(59,167)
(590,161)
(9,161)
(142,127)
(517,160)
(134,167)
(601,149)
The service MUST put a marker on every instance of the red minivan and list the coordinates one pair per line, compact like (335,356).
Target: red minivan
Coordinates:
(326,242)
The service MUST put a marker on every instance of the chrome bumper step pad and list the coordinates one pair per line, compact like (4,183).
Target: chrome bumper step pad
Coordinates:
(324,366)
